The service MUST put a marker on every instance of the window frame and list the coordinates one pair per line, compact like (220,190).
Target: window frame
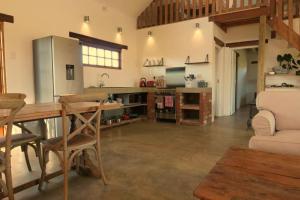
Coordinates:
(119,51)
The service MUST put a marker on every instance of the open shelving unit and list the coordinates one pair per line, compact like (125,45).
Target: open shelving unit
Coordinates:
(193,108)
(123,123)
(134,107)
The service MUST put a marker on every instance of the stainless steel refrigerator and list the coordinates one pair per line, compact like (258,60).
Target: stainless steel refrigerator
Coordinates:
(58,71)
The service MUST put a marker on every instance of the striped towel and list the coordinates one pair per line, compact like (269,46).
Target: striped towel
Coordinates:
(169,101)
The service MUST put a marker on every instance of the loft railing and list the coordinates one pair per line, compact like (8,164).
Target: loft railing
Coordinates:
(161,12)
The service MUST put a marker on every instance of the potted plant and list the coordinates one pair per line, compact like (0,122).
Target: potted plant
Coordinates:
(287,62)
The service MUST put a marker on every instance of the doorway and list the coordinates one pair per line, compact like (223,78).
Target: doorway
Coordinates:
(246,77)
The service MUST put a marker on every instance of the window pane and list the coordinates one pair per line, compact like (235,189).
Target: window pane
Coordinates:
(85,50)
(85,59)
(101,61)
(115,55)
(92,51)
(115,63)
(107,54)
(92,60)
(100,53)
(108,62)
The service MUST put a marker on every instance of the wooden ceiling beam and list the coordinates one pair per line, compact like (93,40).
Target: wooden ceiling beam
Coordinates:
(95,41)
(6,18)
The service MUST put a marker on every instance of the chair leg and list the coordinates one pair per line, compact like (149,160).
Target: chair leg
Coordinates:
(44,168)
(99,160)
(25,151)
(39,153)
(3,185)
(66,174)
(9,185)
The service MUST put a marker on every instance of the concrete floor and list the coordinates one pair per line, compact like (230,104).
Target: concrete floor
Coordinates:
(147,161)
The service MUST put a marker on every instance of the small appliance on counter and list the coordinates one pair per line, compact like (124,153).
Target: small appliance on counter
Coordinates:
(161,82)
(151,83)
(143,82)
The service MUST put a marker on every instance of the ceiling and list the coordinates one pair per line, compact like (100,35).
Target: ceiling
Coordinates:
(128,7)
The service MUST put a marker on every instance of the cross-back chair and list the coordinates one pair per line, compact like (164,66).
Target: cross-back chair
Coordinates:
(76,141)
(11,104)
(24,139)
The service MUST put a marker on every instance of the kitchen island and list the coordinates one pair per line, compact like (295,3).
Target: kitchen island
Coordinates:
(192,106)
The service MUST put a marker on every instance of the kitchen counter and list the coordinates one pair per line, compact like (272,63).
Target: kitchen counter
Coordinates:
(126,90)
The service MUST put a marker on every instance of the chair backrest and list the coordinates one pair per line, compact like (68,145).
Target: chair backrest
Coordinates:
(89,123)
(285,105)
(12,103)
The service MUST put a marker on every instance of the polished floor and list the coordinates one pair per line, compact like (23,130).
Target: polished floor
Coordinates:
(147,161)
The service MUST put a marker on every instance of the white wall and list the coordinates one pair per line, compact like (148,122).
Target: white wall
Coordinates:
(174,42)
(35,19)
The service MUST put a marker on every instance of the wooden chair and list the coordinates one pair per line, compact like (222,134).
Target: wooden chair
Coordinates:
(24,139)
(12,106)
(75,141)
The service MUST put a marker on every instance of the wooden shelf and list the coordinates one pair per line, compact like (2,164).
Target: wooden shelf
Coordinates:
(197,63)
(134,105)
(190,107)
(122,123)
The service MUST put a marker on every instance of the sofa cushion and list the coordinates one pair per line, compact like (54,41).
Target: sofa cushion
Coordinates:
(285,105)
(284,142)
(264,123)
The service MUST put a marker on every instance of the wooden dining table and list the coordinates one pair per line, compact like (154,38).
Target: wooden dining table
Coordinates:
(40,112)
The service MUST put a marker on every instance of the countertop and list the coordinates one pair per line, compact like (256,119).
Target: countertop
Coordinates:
(124,90)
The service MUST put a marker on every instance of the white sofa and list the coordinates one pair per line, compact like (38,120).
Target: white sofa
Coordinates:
(277,125)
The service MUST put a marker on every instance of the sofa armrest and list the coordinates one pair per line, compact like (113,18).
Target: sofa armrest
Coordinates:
(264,123)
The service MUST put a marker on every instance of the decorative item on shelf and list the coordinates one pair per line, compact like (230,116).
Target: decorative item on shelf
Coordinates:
(188,61)
(271,73)
(154,63)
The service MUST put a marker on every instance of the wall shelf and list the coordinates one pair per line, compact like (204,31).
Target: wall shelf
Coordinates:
(188,61)
(153,63)
(197,63)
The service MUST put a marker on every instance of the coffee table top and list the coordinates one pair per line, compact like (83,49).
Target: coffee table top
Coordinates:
(244,174)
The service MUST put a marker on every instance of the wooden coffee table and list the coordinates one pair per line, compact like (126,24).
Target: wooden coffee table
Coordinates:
(244,174)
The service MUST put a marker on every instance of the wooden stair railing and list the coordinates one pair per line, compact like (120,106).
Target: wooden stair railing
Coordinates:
(282,16)
(161,12)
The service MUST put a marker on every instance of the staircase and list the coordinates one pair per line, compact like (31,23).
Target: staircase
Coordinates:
(283,15)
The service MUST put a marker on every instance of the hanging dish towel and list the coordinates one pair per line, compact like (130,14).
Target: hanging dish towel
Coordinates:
(160,102)
(169,101)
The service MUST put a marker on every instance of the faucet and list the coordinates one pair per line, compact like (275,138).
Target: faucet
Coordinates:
(102,83)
